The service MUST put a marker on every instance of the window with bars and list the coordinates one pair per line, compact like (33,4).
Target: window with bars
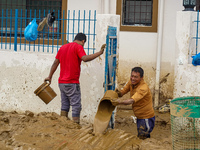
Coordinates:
(39,8)
(52,5)
(137,12)
(138,15)
(29,9)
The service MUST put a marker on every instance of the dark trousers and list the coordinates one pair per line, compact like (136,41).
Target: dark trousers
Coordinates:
(145,127)
(71,96)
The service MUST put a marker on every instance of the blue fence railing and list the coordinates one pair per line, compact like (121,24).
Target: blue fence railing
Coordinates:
(197,33)
(63,30)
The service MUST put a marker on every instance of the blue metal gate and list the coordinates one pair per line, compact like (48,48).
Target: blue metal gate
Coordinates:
(110,59)
(110,63)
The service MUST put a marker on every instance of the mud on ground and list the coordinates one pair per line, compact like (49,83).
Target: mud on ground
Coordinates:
(160,136)
(49,131)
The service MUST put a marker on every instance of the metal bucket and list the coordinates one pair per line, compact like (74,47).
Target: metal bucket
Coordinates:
(45,92)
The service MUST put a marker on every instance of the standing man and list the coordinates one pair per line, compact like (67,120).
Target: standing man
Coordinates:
(141,100)
(69,57)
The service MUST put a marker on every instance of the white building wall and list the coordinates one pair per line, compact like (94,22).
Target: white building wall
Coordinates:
(140,48)
(101,6)
(21,74)
(186,75)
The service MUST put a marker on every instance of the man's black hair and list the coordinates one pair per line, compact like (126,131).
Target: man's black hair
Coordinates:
(138,69)
(80,37)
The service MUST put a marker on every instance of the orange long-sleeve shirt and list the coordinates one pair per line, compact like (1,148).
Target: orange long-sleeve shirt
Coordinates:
(141,94)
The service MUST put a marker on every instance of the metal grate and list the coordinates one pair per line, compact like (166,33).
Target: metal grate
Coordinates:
(110,58)
(137,12)
(194,47)
(185,123)
(29,9)
(31,4)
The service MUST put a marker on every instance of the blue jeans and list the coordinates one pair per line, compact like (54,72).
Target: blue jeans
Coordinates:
(145,127)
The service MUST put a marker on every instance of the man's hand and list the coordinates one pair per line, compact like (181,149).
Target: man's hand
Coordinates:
(102,48)
(115,102)
(90,57)
(47,79)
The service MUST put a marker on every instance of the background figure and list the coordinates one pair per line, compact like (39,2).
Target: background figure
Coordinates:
(141,100)
(69,57)
(47,20)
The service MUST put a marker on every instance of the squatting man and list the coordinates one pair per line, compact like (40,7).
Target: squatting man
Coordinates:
(141,100)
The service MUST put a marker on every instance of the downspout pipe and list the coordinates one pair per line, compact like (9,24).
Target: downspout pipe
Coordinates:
(107,6)
(159,50)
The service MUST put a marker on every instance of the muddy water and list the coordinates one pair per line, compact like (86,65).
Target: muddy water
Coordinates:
(104,112)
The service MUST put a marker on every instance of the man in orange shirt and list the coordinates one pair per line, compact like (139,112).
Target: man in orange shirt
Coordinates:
(141,100)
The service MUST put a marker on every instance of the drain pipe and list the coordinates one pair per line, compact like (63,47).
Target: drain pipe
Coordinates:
(106,7)
(159,50)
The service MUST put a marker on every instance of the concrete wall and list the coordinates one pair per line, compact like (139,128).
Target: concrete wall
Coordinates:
(23,72)
(186,75)
(101,6)
(140,48)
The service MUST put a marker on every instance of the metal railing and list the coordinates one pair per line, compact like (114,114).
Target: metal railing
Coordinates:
(50,39)
(197,34)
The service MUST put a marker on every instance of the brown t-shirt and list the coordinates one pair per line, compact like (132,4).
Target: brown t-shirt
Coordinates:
(141,94)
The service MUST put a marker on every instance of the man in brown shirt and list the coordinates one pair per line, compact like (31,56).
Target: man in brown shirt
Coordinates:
(141,100)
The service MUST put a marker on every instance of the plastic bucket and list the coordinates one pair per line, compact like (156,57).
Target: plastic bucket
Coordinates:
(45,92)
(104,112)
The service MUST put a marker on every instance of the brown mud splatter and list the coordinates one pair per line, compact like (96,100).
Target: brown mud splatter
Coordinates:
(180,111)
